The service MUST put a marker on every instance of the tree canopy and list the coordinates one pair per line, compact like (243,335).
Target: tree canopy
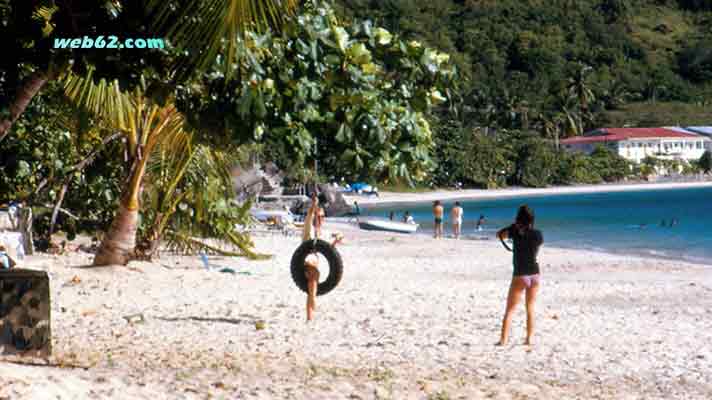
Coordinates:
(517,58)
(352,95)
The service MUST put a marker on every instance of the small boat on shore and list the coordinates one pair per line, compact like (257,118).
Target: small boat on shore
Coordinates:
(281,215)
(387,226)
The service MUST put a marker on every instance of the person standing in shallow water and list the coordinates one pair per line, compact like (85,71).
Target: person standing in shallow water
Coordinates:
(525,278)
(480,223)
(456,215)
(438,212)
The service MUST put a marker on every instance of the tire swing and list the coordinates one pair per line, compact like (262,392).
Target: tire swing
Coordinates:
(336,265)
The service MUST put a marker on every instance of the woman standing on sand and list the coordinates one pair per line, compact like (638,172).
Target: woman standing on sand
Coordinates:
(527,241)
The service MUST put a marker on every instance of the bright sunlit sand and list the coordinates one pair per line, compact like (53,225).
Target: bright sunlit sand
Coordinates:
(413,318)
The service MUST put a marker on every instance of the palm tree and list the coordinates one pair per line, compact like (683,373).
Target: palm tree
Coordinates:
(166,170)
(579,88)
(208,28)
(145,125)
(205,29)
(190,196)
(614,95)
(552,125)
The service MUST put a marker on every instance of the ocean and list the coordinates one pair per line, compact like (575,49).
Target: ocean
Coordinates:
(618,222)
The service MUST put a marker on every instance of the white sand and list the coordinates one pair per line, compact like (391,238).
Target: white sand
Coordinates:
(385,198)
(412,319)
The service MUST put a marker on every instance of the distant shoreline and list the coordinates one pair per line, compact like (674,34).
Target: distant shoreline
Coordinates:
(397,198)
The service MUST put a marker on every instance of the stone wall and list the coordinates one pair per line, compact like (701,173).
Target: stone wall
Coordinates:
(25,313)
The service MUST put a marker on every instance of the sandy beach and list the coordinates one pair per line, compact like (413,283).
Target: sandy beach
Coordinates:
(413,318)
(390,198)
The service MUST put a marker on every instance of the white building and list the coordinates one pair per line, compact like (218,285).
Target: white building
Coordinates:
(704,131)
(635,144)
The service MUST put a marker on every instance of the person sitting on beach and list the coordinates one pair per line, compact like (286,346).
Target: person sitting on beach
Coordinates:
(438,212)
(525,278)
(407,218)
(456,216)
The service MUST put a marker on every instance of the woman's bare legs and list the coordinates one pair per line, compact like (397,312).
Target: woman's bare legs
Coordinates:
(530,300)
(312,275)
(513,298)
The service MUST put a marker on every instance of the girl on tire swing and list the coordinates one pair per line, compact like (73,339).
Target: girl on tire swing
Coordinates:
(311,263)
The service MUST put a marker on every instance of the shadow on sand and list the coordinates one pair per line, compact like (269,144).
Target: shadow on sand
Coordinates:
(246,319)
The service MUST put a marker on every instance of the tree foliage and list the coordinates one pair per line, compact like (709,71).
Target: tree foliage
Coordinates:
(56,144)
(529,51)
(351,95)
(705,162)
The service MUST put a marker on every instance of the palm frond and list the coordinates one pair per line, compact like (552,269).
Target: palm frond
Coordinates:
(184,244)
(44,14)
(144,122)
(205,29)
(179,172)
(103,99)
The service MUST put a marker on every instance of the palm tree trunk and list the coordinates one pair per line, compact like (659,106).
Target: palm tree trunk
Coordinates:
(119,242)
(25,94)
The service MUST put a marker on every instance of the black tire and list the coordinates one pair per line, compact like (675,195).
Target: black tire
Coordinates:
(336,266)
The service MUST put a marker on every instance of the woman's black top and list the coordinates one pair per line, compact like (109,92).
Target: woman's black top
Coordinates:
(526,248)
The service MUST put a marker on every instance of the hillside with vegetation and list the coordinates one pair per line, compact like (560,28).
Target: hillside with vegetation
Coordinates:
(140,144)
(530,63)
(553,69)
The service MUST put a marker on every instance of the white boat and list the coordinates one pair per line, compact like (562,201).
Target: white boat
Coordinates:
(280,215)
(387,226)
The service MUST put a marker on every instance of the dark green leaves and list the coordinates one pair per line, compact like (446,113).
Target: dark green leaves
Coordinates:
(356,92)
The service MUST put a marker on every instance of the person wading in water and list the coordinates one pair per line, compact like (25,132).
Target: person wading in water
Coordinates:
(525,278)
(456,216)
(438,212)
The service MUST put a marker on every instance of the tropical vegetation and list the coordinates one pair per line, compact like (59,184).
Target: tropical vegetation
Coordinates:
(140,145)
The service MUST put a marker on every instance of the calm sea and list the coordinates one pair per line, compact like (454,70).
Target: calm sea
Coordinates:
(619,222)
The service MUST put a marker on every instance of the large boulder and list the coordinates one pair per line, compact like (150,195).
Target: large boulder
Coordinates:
(257,180)
(334,203)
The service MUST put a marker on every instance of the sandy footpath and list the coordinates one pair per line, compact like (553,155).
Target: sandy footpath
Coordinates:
(387,198)
(414,318)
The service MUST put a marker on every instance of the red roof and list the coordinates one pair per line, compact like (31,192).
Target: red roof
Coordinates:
(619,134)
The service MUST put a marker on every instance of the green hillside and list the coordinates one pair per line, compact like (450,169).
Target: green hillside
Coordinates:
(573,64)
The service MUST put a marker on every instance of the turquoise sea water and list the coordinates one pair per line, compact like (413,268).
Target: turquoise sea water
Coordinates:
(619,222)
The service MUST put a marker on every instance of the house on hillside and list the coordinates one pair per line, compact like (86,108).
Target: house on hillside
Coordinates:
(635,144)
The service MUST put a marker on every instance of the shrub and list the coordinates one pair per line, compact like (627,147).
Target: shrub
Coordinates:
(705,162)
